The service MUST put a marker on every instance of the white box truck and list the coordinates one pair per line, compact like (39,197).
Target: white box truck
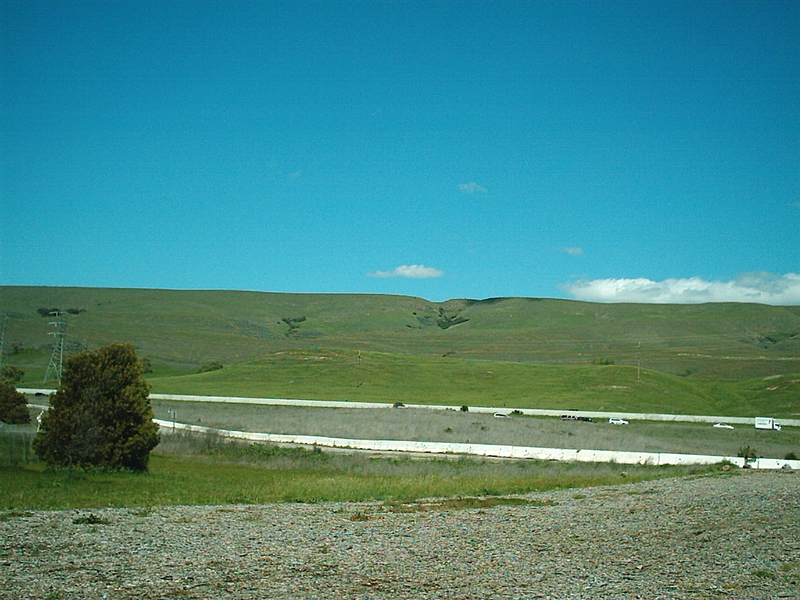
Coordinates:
(767,423)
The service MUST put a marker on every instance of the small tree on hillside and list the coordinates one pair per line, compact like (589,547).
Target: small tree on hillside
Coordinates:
(11,374)
(13,405)
(101,415)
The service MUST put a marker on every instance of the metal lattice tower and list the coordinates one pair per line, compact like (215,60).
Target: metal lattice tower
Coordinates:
(57,358)
(3,338)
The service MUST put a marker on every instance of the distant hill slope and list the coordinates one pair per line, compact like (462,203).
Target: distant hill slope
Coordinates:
(179,331)
(347,375)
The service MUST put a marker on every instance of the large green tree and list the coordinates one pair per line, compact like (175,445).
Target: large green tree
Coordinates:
(101,415)
(13,405)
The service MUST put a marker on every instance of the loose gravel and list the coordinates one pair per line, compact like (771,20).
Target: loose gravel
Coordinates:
(735,535)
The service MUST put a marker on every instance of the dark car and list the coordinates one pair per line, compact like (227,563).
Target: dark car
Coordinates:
(586,419)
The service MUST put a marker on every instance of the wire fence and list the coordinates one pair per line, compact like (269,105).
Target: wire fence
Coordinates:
(16,445)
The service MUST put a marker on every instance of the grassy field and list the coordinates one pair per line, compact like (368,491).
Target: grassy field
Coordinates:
(377,377)
(722,359)
(201,471)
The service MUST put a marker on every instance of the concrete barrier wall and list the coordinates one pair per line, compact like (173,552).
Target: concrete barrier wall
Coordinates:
(490,450)
(475,409)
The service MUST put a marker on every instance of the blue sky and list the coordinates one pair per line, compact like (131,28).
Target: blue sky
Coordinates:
(608,151)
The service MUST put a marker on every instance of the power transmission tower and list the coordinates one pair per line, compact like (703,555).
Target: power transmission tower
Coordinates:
(57,358)
(3,338)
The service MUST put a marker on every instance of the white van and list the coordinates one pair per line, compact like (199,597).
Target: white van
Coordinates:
(767,423)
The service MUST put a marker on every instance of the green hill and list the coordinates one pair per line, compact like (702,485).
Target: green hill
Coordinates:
(517,350)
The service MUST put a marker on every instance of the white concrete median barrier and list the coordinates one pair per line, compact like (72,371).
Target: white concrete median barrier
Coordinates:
(489,450)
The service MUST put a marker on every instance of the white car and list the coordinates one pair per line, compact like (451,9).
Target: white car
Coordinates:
(499,415)
(723,426)
(617,421)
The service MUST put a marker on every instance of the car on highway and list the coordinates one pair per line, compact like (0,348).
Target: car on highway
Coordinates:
(499,415)
(617,421)
(723,426)
(576,418)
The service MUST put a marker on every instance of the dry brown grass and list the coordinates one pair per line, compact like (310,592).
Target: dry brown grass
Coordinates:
(417,424)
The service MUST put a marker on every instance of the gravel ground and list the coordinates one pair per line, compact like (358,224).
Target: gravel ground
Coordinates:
(730,536)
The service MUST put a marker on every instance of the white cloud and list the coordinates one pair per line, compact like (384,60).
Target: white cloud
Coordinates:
(764,288)
(410,272)
(573,251)
(471,188)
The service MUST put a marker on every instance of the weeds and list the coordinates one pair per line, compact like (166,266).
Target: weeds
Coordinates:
(91,519)
(463,504)
(764,574)
(15,514)
(221,471)
(360,517)
(748,454)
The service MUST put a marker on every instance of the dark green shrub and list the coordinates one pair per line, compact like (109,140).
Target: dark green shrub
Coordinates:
(214,365)
(791,456)
(92,519)
(101,414)
(11,374)
(603,361)
(13,405)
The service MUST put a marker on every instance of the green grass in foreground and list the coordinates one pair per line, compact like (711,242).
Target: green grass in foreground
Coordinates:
(253,474)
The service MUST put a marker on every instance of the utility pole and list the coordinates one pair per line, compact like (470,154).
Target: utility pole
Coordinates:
(639,361)
(3,338)
(57,358)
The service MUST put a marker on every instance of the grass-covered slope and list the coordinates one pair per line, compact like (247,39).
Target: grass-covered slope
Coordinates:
(513,351)
(377,377)
(181,330)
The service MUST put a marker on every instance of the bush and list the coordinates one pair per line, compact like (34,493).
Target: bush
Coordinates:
(11,374)
(214,365)
(13,405)
(101,414)
(791,456)
(748,453)
(603,361)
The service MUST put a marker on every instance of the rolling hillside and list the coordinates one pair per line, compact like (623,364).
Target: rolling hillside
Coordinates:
(706,352)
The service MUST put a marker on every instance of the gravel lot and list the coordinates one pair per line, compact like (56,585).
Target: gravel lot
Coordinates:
(731,536)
